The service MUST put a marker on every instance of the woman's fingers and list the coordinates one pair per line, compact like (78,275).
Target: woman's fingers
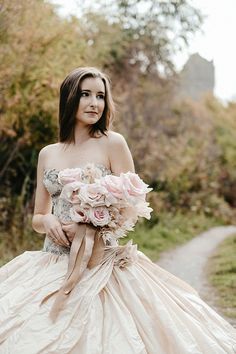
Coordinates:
(52,237)
(70,236)
(70,230)
(62,234)
(62,237)
(70,227)
(58,236)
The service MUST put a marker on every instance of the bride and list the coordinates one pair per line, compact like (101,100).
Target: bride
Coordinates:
(83,294)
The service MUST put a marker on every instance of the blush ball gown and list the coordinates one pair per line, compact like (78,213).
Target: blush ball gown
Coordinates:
(123,305)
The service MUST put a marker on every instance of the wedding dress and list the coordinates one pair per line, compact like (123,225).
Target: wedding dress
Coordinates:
(126,304)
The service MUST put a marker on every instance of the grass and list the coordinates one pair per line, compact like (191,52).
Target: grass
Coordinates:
(170,231)
(152,238)
(222,275)
(14,243)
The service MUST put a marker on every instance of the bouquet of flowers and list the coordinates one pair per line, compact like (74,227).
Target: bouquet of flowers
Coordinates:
(112,203)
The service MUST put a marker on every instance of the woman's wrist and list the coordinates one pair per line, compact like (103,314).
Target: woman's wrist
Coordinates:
(38,222)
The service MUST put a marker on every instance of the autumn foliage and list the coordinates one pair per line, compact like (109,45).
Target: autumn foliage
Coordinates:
(185,150)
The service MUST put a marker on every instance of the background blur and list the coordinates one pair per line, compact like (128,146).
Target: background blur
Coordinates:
(183,139)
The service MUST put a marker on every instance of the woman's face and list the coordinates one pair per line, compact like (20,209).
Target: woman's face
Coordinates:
(92,101)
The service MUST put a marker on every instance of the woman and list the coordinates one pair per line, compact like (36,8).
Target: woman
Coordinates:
(95,298)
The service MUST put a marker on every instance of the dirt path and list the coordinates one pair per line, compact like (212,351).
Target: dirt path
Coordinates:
(188,262)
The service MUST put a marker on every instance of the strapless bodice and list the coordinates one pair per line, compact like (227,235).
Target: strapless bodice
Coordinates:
(60,207)
(52,185)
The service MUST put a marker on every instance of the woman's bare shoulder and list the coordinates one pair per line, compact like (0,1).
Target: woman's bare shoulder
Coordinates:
(115,138)
(49,148)
(47,151)
(119,154)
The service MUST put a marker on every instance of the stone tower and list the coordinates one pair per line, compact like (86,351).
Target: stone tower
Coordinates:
(196,78)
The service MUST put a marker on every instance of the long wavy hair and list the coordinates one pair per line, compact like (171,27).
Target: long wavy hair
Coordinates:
(70,93)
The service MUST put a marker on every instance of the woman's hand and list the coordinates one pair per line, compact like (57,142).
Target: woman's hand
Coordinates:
(70,230)
(53,229)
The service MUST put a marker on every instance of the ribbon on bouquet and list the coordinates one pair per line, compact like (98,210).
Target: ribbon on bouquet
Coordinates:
(87,251)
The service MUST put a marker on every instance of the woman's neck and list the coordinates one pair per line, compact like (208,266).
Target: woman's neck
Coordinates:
(81,134)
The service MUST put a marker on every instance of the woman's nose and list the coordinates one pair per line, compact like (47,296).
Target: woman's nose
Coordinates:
(93,101)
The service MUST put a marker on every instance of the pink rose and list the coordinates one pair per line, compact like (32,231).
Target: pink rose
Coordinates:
(113,184)
(79,214)
(133,187)
(69,175)
(99,216)
(70,192)
(92,194)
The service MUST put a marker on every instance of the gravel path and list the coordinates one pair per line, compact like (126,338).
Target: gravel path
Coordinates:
(188,262)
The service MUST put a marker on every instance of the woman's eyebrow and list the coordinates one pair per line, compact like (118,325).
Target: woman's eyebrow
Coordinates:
(90,91)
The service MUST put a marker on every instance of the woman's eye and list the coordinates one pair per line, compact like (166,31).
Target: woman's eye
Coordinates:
(84,94)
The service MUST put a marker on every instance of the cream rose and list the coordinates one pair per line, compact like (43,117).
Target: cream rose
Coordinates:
(79,214)
(70,192)
(99,216)
(69,175)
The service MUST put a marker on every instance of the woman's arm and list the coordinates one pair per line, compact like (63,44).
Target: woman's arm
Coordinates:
(119,154)
(43,220)
(42,205)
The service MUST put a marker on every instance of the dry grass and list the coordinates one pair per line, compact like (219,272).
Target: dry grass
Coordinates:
(222,275)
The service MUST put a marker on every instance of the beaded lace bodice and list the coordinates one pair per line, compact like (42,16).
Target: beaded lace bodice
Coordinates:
(60,206)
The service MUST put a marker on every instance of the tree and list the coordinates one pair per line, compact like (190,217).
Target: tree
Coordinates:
(152,30)
(128,40)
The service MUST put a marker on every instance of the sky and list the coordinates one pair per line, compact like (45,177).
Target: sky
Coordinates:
(215,42)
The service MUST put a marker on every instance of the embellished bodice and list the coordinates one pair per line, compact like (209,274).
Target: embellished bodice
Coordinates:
(60,206)
(51,177)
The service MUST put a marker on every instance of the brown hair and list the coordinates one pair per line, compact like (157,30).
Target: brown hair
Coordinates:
(70,93)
